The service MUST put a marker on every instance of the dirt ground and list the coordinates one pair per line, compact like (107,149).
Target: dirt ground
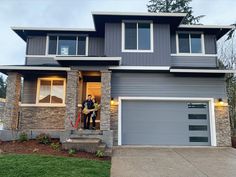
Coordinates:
(33,147)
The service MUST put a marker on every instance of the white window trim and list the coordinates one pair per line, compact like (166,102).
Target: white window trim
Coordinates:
(190,53)
(52,55)
(136,50)
(209,100)
(50,79)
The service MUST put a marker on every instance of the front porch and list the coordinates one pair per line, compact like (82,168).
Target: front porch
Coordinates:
(50,101)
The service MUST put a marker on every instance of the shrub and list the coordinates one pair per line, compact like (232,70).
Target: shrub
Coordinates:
(23,137)
(71,152)
(100,154)
(55,146)
(44,138)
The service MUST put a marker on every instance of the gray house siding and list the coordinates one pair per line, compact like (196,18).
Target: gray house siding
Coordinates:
(96,46)
(194,61)
(36,45)
(160,56)
(40,61)
(166,85)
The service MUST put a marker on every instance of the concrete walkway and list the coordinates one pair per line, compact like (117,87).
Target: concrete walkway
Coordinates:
(173,162)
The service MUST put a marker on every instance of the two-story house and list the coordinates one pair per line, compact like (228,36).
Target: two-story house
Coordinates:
(158,81)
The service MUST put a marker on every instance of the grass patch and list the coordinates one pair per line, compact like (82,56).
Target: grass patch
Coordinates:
(50,166)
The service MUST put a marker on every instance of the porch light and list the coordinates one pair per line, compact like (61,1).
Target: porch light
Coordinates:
(220,103)
(112,101)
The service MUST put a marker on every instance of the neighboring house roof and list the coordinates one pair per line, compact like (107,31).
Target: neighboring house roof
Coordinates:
(100,18)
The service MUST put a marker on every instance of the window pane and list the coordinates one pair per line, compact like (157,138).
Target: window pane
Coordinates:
(57,91)
(196,45)
(198,139)
(184,43)
(44,92)
(130,36)
(81,45)
(67,45)
(52,46)
(144,36)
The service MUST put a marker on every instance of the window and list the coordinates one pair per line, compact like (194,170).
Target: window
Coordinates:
(190,43)
(197,105)
(137,37)
(198,139)
(51,91)
(67,45)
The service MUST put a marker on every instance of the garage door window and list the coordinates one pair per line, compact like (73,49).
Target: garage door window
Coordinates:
(197,105)
(197,116)
(198,139)
(197,127)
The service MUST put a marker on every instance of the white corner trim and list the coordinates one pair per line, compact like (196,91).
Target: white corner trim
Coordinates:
(82,58)
(193,55)
(38,68)
(201,71)
(152,68)
(209,100)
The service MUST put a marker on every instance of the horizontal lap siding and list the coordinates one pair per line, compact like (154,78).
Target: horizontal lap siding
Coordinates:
(160,56)
(41,61)
(166,85)
(194,61)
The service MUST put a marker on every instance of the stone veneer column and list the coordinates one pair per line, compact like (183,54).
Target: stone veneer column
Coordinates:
(72,98)
(11,110)
(223,130)
(105,99)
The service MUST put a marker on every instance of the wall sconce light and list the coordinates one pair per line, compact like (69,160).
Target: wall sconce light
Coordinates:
(112,101)
(220,101)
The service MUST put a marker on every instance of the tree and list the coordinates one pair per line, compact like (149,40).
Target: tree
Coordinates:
(227,57)
(2,87)
(175,6)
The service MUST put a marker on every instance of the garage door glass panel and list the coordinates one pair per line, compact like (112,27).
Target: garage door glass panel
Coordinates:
(198,127)
(198,139)
(197,116)
(197,105)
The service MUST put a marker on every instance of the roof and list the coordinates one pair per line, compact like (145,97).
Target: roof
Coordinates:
(218,30)
(100,18)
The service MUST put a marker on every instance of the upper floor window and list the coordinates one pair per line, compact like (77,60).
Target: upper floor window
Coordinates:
(67,45)
(51,91)
(191,43)
(137,37)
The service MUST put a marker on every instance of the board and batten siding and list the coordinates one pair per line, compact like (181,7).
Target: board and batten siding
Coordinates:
(96,46)
(166,85)
(36,45)
(160,56)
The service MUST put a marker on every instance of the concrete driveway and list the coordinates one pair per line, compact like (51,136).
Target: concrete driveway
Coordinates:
(173,162)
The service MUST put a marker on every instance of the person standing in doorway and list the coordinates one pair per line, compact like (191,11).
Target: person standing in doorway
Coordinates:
(94,114)
(87,108)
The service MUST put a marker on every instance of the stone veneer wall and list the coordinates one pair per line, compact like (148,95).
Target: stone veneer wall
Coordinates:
(42,118)
(223,130)
(114,123)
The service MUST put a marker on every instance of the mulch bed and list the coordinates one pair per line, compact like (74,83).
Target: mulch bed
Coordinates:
(33,147)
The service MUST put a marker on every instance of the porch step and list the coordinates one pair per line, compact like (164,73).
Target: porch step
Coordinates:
(87,132)
(82,144)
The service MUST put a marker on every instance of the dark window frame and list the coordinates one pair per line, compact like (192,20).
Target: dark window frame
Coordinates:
(76,47)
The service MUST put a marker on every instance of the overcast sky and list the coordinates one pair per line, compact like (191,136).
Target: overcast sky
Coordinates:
(77,13)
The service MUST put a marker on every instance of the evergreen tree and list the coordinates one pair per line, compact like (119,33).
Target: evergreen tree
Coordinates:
(175,6)
(2,87)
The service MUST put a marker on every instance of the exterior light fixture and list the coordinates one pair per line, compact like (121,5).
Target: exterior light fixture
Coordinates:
(220,101)
(112,101)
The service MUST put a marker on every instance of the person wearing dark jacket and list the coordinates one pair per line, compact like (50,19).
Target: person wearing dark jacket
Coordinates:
(87,108)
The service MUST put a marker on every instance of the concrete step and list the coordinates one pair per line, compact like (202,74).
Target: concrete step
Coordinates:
(87,132)
(82,144)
